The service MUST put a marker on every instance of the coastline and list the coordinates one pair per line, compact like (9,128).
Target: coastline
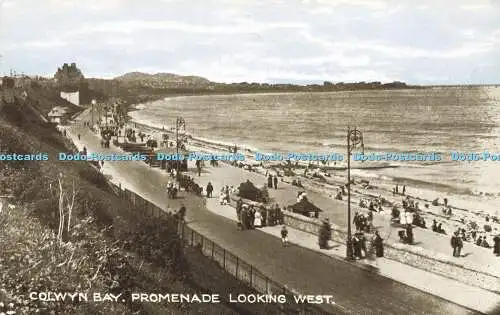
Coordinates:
(461,207)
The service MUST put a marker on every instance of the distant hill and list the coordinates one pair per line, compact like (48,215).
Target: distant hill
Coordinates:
(164,80)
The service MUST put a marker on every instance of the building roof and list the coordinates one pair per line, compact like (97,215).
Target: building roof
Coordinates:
(58,111)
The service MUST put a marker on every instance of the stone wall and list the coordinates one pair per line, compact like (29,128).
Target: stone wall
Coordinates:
(414,256)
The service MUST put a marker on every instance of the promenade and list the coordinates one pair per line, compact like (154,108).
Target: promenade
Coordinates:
(335,210)
(356,291)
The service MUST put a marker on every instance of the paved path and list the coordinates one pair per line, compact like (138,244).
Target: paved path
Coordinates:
(476,298)
(356,291)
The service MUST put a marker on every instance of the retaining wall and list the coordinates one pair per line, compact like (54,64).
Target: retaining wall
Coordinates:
(411,255)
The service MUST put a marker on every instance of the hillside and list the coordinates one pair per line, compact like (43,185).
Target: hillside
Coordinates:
(107,247)
(164,80)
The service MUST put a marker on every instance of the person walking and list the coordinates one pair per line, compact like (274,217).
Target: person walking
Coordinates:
(198,167)
(244,217)
(284,235)
(275,180)
(460,244)
(356,243)
(257,222)
(239,207)
(250,217)
(404,189)
(78,136)
(378,244)
(270,181)
(496,245)
(210,189)
(454,243)
(409,234)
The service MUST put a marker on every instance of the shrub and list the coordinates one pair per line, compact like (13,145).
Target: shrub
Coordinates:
(34,261)
(248,190)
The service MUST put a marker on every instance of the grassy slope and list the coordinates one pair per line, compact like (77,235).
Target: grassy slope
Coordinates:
(100,225)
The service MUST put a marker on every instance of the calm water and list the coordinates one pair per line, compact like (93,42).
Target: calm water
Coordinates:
(439,120)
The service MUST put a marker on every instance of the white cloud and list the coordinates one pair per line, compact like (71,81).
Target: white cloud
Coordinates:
(244,26)
(395,51)
(337,59)
(257,40)
(371,4)
(62,5)
(474,7)
(4,4)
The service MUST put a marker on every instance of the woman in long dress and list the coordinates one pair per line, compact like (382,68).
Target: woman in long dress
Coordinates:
(370,253)
(257,222)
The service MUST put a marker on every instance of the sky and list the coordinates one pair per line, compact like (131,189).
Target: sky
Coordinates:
(274,41)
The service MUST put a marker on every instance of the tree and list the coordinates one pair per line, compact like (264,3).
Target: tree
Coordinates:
(69,76)
(66,204)
(248,190)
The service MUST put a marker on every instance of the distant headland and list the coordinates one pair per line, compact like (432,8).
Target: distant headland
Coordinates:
(134,87)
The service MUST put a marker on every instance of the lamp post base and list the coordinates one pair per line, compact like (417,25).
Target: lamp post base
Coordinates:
(349,256)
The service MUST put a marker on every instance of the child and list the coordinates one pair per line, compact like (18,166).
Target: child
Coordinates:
(284,236)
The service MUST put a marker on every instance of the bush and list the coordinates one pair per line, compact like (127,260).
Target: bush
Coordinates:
(248,191)
(41,264)
(159,243)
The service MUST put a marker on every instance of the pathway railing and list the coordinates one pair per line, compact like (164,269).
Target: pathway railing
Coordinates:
(230,262)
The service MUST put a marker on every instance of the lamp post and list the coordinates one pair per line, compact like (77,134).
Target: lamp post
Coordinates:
(179,123)
(93,104)
(354,137)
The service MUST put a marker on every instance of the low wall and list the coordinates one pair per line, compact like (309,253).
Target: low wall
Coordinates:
(411,255)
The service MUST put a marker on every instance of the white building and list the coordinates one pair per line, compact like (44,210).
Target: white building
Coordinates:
(72,97)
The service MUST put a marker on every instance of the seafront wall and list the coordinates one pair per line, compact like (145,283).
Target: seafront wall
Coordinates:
(411,255)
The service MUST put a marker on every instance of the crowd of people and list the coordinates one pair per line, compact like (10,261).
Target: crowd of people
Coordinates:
(272,181)
(171,190)
(190,185)
(250,217)
(363,222)
(360,248)
(374,204)
(224,196)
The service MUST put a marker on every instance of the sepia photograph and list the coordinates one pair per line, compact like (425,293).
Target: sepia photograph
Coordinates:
(249,157)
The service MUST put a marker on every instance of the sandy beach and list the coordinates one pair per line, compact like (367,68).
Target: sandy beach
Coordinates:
(463,211)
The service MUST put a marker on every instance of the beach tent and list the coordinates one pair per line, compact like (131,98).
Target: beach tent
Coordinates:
(305,207)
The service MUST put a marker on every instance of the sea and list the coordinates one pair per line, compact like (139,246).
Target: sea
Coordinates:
(439,119)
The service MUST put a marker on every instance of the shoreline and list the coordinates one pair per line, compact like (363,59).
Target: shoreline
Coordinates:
(154,181)
(461,207)
(420,174)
